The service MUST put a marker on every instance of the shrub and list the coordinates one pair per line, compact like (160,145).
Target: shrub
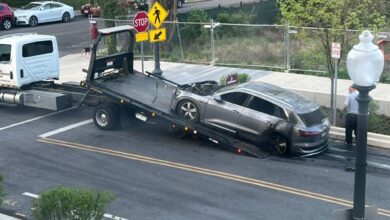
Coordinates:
(2,193)
(71,203)
(241,78)
(373,118)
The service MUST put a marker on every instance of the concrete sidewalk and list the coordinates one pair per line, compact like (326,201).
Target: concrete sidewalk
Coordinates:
(315,88)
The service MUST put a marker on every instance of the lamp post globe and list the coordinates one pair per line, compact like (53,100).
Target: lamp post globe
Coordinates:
(365,61)
(365,65)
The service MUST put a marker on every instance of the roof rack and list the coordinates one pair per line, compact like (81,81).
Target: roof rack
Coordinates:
(16,35)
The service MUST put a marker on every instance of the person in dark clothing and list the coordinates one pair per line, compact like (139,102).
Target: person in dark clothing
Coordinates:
(351,106)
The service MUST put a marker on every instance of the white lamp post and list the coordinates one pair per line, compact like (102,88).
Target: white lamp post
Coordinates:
(365,65)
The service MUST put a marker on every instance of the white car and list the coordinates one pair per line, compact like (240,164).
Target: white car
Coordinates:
(35,13)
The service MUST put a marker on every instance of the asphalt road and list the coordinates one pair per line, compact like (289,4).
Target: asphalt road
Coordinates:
(155,174)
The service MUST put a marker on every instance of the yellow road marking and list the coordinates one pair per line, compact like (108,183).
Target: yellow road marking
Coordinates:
(242,179)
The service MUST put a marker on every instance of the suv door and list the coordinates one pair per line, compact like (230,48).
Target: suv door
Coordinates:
(258,116)
(224,113)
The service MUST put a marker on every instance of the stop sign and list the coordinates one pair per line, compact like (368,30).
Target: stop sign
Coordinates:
(141,21)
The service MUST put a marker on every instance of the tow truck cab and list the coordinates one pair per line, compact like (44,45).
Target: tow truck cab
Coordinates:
(27,58)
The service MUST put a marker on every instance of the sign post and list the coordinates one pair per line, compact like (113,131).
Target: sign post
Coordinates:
(157,15)
(336,49)
(141,24)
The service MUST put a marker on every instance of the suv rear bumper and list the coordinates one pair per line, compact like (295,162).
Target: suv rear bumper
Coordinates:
(307,151)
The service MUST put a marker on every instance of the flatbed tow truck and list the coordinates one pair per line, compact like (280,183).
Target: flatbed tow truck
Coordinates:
(117,91)
(128,91)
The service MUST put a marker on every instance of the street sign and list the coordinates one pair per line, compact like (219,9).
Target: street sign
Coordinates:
(157,14)
(336,49)
(141,36)
(157,35)
(141,21)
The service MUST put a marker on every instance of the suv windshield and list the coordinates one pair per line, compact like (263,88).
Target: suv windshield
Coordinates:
(5,52)
(32,6)
(312,118)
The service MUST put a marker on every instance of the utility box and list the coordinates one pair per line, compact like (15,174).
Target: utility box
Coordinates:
(46,100)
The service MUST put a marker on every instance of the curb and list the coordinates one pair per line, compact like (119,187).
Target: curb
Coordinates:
(373,139)
(7,217)
(7,214)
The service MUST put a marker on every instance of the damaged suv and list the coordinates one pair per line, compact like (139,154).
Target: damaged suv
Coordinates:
(271,117)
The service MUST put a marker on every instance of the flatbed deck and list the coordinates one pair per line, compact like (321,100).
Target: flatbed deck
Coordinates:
(139,87)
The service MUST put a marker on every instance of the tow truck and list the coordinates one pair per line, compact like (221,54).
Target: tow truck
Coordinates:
(29,65)
(129,92)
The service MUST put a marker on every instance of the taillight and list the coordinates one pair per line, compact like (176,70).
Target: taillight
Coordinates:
(309,133)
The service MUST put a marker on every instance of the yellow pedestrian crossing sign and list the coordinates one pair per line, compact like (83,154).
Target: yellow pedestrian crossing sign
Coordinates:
(157,35)
(157,14)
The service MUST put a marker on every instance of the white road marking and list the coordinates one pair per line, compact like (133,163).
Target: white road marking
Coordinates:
(51,133)
(379,165)
(106,215)
(35,119)
(113,217)
(369,163)
(35,196)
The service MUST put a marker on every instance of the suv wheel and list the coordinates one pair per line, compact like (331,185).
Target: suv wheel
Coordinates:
(188,110)
(278,144)
(7,24)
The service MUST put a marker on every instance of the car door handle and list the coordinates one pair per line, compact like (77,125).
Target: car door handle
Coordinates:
(236,111)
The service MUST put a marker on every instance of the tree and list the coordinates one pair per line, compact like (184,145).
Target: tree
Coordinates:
(334,18)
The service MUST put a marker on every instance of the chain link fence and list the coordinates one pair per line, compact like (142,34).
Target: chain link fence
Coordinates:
(275,47)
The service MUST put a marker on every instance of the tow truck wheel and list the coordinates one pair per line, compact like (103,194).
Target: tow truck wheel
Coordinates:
(107,116)
(279,144)
(188,110)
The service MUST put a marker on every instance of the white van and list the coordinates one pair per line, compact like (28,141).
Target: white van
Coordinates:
(28,58)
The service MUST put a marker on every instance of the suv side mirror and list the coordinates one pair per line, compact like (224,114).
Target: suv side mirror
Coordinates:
(218,98)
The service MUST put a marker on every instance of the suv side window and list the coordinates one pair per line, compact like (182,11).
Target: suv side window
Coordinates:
(237,98)
(1,7)
(266,107)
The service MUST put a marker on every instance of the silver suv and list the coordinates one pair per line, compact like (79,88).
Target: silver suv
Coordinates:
(271,117)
